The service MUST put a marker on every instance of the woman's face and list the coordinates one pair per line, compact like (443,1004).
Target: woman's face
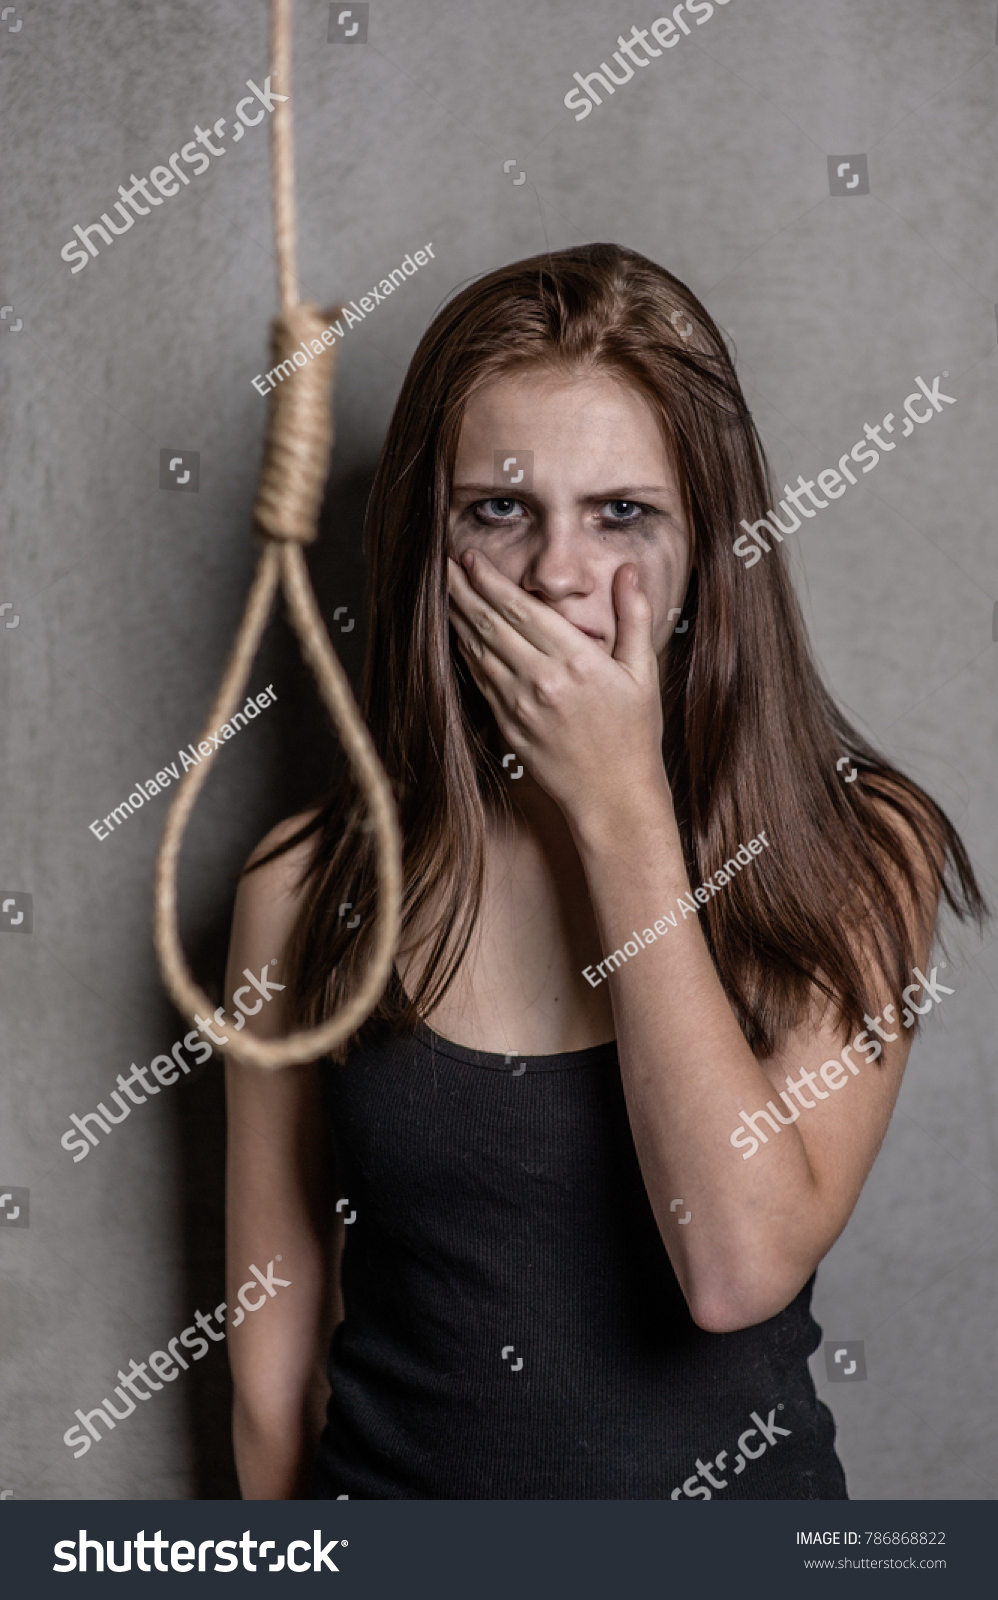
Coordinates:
(601,492)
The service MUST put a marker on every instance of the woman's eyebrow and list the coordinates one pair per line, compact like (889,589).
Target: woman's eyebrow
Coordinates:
(493,490)
(659,491)
(497,491)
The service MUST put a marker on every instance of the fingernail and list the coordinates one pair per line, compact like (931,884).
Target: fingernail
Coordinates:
(469,560)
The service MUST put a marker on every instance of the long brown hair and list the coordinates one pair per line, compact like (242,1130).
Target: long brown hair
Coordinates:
(751,735)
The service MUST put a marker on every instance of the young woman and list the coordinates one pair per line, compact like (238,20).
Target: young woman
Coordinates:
(565,1251)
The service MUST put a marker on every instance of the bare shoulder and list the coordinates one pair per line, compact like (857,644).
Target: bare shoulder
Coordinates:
(291,863)
(269,895)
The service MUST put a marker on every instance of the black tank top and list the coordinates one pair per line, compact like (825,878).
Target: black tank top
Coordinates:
(514,1329)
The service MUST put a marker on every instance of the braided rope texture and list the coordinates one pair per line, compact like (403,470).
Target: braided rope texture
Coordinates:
(296,456)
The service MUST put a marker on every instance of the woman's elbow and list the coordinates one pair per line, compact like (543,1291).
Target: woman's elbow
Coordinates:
(728,1307)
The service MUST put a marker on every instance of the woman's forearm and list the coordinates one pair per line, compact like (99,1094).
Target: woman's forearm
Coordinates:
(274,1448)
(687,1072)
(269,1455)
(277,1220)
(279,1379)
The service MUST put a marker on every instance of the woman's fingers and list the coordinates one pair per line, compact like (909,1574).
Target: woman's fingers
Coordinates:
(484,621)
(507,617)
(488,670)
(522,653)
(633,647)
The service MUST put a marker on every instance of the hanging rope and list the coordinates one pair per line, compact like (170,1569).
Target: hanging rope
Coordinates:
(299,438)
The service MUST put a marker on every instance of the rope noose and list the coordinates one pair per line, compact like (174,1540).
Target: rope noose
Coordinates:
(299,437)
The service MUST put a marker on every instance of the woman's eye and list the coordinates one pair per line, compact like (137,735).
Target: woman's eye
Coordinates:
(495,510)
(625,511)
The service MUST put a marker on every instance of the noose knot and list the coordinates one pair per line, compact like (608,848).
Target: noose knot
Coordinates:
(299,428)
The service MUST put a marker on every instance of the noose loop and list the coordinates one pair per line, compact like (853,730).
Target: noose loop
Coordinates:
(299,438)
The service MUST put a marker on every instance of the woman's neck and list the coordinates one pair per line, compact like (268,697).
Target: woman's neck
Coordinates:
(519,986)
(536,821)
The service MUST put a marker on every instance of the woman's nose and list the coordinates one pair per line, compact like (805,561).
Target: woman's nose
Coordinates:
(559,564)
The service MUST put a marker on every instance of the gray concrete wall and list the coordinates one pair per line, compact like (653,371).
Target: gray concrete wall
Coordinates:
(713,161)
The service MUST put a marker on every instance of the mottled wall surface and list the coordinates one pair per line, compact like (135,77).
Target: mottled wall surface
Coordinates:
(714,160)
